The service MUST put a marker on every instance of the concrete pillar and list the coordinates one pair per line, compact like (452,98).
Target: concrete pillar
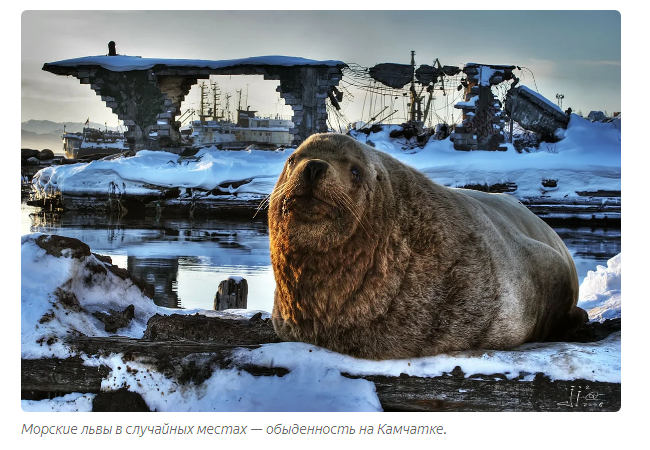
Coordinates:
(142,100)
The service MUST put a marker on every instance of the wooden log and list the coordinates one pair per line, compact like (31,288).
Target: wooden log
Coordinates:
(455,392)
(187,361)
(213,329)
(193,362)
(232,294)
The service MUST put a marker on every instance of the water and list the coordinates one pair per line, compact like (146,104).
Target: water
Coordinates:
(186,260)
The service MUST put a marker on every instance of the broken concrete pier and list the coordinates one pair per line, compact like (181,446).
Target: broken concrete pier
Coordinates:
(146,93)
(483,118)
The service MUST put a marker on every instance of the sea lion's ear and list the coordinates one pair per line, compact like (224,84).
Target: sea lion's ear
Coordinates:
(378,176)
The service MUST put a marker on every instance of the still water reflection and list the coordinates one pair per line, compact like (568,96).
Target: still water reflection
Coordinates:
(185,260)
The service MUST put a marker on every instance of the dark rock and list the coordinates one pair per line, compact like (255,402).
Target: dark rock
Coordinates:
(56,245)
(26,153)
(67,299)
(121,400)
(189,151)
(45,154)
(596,116)
(104,259)
(146,289)
(596,331)
(376,128)
(234,184)
(492,188)
(114,320)
(31,162)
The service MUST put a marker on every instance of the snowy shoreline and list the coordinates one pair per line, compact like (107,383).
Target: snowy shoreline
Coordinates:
(577,177)
(79,285)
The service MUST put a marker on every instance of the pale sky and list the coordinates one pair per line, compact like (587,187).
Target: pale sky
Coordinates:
(575,53)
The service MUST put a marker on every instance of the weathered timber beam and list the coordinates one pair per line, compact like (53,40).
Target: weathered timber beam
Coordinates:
(184,360)
(190,361)
(451,392)
(214,329)
(193,361)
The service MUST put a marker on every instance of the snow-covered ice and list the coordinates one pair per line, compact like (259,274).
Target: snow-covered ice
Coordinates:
(588,158)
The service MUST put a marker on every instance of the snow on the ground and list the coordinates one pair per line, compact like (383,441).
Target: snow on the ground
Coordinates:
(74,402)
(314,382)
(600,292)
(587,159)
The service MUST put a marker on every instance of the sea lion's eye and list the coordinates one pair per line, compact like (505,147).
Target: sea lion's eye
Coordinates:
(356,173)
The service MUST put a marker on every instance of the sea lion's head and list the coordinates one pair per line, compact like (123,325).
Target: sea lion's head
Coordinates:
(323,194)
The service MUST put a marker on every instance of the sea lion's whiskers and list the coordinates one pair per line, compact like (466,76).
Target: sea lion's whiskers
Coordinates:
(353,208)
(346,202)
(278,191)
(263,204)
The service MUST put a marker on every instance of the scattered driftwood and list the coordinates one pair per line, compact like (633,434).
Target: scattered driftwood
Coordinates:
(168,351)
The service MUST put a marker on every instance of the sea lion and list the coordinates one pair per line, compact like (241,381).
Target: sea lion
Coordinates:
(373,259)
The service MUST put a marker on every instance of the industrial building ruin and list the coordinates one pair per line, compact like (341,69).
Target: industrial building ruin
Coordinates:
(146,93)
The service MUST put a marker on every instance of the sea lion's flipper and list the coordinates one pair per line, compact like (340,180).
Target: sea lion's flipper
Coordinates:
(568,325)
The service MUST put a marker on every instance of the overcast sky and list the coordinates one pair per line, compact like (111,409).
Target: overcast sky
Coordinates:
(576,53)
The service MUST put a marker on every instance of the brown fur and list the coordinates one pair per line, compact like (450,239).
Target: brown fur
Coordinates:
(393,265)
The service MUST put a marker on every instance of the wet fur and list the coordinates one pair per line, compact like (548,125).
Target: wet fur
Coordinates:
(393,265)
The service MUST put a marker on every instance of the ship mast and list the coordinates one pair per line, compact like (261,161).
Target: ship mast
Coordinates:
(416,100)
(203,102)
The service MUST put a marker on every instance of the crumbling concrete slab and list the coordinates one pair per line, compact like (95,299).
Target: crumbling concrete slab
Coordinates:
(534,112)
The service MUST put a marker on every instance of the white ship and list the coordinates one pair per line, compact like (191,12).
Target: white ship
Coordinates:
(249,129)
(92,142)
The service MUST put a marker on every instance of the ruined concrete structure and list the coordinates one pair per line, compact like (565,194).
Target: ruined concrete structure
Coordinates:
(535,113)
(146,93)
(483,121)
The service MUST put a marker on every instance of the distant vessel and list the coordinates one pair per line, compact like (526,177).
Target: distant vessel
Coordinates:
(249,129)
(93,142)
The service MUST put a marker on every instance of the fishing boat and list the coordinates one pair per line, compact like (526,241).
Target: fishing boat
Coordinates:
(249,130)
(215,127)
(92,142)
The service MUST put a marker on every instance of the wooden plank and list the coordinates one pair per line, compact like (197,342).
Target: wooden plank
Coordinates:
(454,392)
(195,361)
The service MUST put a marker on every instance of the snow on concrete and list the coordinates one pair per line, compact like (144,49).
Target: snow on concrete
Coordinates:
(315,381)
(122,63)
(541,98)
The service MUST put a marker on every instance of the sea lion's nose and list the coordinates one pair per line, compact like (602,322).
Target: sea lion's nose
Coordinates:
(314,170)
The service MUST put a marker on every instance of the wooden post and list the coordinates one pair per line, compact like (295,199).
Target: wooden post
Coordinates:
(232,294)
